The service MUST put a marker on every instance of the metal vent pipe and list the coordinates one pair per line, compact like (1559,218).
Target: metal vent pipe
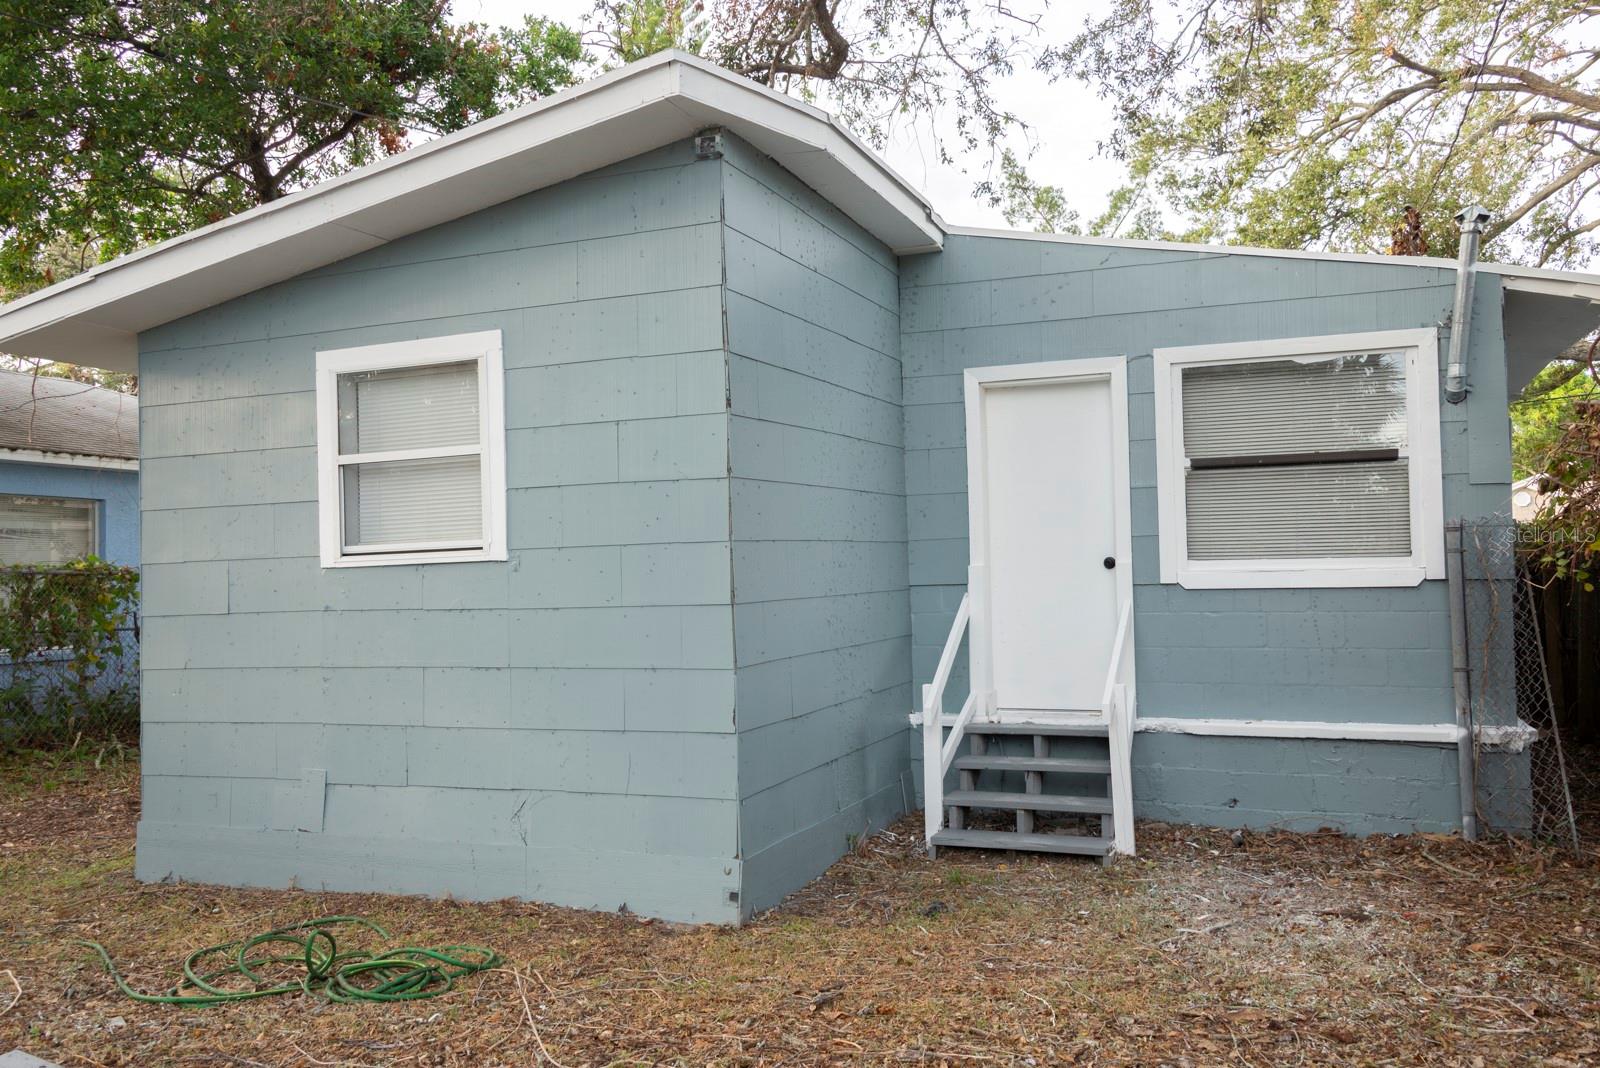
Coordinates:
(1472,221)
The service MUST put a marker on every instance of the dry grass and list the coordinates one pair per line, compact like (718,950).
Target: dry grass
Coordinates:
(1289,949)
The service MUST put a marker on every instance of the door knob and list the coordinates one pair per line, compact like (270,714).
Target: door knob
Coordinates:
(1109,562)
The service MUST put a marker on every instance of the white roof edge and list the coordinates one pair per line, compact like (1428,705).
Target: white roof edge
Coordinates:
(75,320)
(60,458)
(1528,279)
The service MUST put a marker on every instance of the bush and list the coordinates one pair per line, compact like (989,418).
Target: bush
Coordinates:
(69,640)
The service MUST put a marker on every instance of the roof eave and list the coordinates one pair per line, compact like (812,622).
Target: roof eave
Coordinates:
(95,318)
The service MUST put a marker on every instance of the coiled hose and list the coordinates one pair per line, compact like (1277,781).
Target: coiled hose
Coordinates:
(406,973)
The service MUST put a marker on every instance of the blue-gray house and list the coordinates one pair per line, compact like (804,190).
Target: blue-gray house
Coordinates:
(576,508)
(69,471)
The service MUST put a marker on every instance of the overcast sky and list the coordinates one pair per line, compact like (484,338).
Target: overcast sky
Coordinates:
(1067,122)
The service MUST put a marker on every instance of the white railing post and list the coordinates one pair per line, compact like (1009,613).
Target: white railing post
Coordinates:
(978,666)
(1119,737)
(932,765)
(934,760)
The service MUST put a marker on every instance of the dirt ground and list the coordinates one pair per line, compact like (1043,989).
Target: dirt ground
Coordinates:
(1280,950)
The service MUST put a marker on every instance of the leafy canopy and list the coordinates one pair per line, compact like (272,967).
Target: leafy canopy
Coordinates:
(1314,123)
(125,122)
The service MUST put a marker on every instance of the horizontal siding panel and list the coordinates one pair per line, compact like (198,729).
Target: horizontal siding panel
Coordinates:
(773,394)
(773,452)
(642,387)
(778,338)
(649,262)
(775,511)
(280,476)
(625,513)
(239,424)
(354,695)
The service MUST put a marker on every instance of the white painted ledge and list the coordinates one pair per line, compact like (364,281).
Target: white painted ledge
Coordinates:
(1509,738)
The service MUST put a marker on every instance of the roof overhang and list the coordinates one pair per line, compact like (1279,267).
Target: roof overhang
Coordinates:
(95,318)
(1546,315)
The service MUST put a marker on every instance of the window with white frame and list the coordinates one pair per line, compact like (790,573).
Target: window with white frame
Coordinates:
(1300,462)
(47,530)
(411,451)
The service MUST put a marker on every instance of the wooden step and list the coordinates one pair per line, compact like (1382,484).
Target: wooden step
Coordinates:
(1030,802)
(1047,730)
(1034,843)
(1064,765)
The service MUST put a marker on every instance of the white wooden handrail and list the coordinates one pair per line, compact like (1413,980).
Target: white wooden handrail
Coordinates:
(1114,668)
(936,753)
(1114,706)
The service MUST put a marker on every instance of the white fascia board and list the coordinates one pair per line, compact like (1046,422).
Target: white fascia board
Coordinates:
(1575,284)
(67,459)
(1210,250)
(94,318)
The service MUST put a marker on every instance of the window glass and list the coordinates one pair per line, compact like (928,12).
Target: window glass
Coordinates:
(408,408)
(1297,458)
(46,530)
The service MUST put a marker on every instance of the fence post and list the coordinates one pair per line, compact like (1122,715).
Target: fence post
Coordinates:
(1461,676)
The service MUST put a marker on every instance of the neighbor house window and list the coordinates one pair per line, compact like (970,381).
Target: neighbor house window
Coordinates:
(1300,462)
(45,531)
(411,451)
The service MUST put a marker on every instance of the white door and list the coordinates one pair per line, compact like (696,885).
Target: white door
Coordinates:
(1050,532)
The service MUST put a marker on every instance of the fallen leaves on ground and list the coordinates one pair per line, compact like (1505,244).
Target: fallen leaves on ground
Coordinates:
(1285,949)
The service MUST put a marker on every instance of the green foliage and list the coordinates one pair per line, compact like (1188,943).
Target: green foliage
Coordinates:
(1025,202)
(1542,413)
(640,28)
(1567,529)
(129,121)
(66,635)
(1314,123)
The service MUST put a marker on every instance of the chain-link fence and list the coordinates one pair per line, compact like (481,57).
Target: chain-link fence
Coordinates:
(69,657)
(1519,765)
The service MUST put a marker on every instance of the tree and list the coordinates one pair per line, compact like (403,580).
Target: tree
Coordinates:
(1546,407)
(123,122)
(875,62)
(634,29)
(1315,123)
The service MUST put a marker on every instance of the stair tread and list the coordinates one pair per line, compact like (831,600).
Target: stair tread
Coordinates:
(1032,763)
(1048,730)
(1034,802)
(1038,843)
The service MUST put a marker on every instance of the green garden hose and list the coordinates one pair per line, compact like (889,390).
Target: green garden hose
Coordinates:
(403,974)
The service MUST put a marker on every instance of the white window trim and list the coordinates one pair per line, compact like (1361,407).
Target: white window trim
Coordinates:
(485,348)
(1421,349)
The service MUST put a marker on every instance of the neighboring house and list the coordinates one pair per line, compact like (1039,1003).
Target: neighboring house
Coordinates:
(1528,497)
(572,507)
(69,471)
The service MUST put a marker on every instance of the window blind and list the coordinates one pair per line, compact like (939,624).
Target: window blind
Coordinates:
(45,530)
(409,408)
(1295,459)
(407,502)
(1310,510)
(1284,407)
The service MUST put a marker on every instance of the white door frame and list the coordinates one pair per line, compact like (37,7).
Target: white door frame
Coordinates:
(1112,369)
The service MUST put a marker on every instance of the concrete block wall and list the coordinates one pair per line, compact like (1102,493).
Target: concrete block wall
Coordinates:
(1368,655)
(559,726)
(821,615)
